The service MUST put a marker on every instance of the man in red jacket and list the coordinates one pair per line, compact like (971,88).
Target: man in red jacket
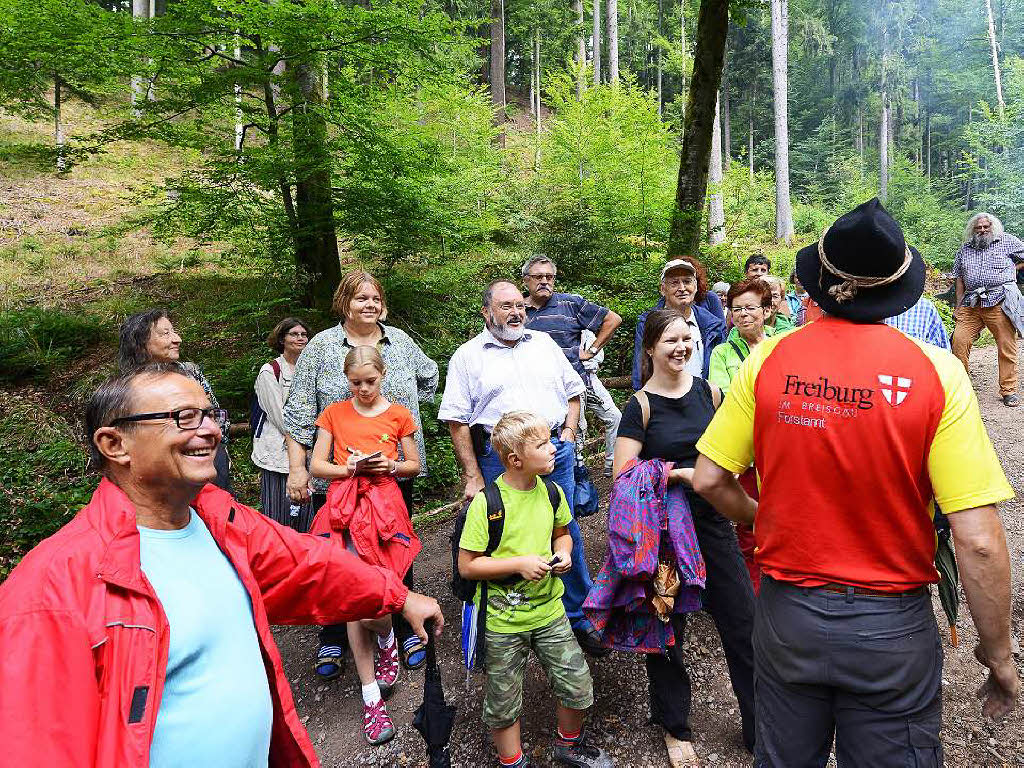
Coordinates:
(139,634)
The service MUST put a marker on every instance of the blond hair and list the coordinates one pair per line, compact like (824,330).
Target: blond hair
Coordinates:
(347,289)
(514,430)
(360,356)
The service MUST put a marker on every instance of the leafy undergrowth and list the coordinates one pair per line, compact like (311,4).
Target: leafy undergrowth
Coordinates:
(43,481)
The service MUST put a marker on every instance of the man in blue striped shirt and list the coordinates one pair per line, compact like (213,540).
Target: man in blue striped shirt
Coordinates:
(564,317)
(922,322)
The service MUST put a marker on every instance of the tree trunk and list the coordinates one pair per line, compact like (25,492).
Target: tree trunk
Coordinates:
(683,85)
(883,151)
(995,59)
(780,53)
(716,212)
(498,66)
(58,128)
(536,90)
(661,91)
(750,132)
(928,131)
(612,20)
(597,42)
(724,104)
(692,183)
(316,241)
(140,10)
(239,130)
(581,47)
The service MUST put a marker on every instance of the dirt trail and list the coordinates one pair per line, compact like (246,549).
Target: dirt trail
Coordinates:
(618,722)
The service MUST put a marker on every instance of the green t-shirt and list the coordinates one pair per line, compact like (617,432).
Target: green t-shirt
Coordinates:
(529,523)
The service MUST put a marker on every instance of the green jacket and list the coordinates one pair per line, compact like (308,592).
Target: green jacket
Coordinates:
(725,360)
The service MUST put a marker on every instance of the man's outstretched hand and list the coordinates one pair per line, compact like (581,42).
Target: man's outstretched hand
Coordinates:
(418,610)
(1001,689)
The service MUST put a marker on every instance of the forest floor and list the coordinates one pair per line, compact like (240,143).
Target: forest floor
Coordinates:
(618,721)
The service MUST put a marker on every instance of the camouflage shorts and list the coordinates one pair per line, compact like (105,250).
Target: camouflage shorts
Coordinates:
(559,655)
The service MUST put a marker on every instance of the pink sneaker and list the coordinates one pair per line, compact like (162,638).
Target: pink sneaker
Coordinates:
(377,724)
(385,668)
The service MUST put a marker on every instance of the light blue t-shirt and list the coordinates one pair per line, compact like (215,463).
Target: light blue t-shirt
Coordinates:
(216,708)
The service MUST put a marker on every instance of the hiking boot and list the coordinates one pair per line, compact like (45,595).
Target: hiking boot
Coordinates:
(385,668)
(579,754)
(377,724)
(1011,400)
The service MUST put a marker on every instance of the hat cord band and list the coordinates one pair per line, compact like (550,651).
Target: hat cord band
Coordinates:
(847,290)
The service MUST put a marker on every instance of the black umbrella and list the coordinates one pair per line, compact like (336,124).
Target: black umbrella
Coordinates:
(949,580)
(434,718)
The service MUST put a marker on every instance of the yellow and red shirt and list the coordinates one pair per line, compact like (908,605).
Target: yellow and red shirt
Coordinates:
(855,429)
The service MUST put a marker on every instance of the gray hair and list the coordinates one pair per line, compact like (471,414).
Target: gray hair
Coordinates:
(113,399)
(720,287)
(489,290)
(997,226)
(538,258)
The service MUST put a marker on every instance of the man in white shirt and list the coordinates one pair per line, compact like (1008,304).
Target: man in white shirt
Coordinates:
(507,368)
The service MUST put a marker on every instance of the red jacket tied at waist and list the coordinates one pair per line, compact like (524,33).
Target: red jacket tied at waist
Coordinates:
(372,510)
(83,637)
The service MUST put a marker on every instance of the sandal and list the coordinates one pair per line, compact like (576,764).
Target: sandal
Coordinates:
(330,662)
(414,653)
(385,668)
(680,753)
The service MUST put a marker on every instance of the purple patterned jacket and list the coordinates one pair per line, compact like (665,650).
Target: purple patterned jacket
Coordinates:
(643,507)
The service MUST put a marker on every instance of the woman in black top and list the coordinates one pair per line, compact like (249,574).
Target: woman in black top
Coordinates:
(681,407)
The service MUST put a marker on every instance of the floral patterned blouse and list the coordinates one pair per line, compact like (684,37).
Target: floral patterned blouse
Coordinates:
(320,380)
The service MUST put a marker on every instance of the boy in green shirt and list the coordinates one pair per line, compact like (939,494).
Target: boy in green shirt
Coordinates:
(528,613)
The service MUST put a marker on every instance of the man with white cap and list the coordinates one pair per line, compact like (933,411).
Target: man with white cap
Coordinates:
(684,288)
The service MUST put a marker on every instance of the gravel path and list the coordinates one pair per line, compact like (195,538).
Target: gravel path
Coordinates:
(618,720)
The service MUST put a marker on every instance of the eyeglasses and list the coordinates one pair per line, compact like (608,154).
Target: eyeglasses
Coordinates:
(297,335)
(748,310)
(673,282)
(547,277)
(508,306)
(186,418)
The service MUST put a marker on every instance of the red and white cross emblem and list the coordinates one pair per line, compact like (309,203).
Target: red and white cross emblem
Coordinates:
(894,388)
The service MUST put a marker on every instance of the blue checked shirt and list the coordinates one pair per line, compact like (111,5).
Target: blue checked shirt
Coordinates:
(922,322)
(564,318)
(991,268)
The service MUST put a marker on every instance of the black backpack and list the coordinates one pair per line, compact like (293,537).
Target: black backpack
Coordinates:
(465,589)
(257,416)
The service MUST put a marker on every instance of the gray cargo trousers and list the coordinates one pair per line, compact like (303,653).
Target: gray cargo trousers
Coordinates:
(864,669)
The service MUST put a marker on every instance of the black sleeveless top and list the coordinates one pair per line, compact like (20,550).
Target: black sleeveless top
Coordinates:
(675,426)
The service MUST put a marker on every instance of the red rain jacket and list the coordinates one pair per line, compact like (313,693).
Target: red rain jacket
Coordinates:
(83,638)
(372,510)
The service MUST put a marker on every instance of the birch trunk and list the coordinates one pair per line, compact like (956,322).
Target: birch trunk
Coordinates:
(883,151)
(724,103)
(995,59)
(239,129)
(780,53)
(58,127)
(536,91)
(597,42)
(612,20)
(140,10)
(716,212)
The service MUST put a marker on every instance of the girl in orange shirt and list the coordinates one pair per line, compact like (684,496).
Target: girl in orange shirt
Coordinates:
(359,427)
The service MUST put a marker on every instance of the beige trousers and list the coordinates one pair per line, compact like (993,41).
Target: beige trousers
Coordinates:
(969,322)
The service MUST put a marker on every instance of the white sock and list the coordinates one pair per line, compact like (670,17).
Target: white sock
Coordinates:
(371,693)
(385,641)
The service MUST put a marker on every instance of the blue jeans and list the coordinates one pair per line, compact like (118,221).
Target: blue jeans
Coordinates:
(577,581)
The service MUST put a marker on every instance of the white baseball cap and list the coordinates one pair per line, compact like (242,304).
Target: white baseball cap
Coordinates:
(677,264)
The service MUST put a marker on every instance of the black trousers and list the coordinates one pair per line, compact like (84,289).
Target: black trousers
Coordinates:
(729,598)
(336,634)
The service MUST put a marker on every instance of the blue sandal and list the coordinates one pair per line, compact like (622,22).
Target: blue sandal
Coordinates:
(330,662)
(414,653)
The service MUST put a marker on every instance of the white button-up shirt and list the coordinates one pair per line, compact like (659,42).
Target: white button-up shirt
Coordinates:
(487,379)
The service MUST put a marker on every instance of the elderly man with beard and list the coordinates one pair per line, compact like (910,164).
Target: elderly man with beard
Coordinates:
(985,269)
(509,368)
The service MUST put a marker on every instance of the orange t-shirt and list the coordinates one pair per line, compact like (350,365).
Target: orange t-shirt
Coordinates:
(368,434)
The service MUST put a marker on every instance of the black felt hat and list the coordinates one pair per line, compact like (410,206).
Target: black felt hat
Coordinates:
(861,268)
